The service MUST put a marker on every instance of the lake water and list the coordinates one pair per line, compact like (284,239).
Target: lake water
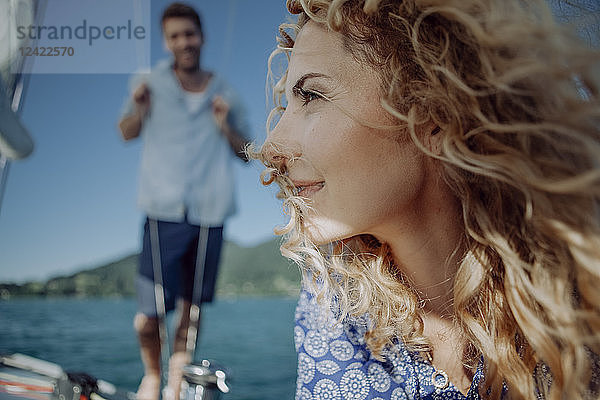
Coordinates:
(253,338)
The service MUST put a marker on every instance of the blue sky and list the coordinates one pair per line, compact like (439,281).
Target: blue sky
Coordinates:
(72,203)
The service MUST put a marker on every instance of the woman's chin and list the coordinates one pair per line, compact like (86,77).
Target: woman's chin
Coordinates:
(321,231)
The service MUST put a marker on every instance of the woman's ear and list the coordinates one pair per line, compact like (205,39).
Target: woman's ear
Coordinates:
(432,138)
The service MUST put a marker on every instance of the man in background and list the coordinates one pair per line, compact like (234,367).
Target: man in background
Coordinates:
(192,125)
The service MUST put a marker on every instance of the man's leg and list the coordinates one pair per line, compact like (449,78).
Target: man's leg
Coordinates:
(210,246)
(147,332)
(145,322)
(181,356)
(159,238)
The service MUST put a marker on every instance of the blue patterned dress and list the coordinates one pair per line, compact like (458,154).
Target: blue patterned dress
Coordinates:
(334,363)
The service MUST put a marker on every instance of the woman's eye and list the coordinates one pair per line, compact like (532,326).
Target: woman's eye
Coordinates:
(307,95)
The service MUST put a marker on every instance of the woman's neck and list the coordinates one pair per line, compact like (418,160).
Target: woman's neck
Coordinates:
(427,244)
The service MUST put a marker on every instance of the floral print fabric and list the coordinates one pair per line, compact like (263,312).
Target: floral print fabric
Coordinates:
(334,363)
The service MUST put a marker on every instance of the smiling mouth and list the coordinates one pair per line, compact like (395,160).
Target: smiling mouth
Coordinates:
(187,53)
(308,189)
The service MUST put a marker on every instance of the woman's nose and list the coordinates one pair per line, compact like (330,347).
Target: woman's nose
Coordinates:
(275,154)
(276,149)
(280,148)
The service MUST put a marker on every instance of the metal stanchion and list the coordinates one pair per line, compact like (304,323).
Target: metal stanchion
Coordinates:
(4,164)
(159,298)
(203,381)
(197,290)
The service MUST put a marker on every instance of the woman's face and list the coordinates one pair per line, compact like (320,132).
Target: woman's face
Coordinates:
(357,179)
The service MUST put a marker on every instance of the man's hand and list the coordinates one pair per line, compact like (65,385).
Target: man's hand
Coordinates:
(236,141)
(220,110)
(141,99)
(131,125)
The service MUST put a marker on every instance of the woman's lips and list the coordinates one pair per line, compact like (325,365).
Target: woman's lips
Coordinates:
(307,189)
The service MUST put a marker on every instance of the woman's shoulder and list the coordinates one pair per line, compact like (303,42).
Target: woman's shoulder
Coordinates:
(334,361)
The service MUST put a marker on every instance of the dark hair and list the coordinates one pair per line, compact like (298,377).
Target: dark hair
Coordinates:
(181,10)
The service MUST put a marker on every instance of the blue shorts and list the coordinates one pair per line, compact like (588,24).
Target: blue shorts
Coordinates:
(178,249)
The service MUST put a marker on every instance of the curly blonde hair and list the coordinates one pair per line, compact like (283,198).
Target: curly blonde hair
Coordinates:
(516,97)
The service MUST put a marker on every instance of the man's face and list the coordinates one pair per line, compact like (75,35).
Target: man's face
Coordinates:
(184,40)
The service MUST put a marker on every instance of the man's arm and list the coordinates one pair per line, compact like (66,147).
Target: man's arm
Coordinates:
(236,140)
(131,125)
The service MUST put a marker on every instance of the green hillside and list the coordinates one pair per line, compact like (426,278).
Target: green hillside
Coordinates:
(254,271)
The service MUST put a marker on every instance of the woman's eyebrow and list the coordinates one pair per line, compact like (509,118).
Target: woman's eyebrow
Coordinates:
(300,82)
